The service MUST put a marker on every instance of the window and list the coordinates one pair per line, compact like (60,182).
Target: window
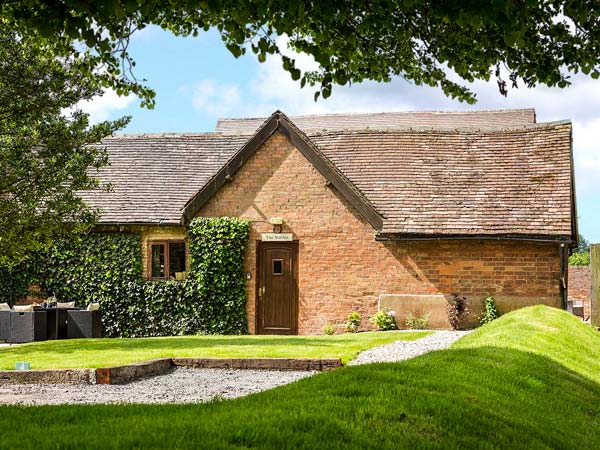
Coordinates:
(277,266)
(167,260)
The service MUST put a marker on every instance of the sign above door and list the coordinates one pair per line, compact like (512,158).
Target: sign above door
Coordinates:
(277,237)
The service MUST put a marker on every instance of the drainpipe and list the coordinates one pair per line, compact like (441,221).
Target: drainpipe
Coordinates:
(563,255)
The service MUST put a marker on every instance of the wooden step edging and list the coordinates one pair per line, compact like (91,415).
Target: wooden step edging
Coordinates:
(131,372)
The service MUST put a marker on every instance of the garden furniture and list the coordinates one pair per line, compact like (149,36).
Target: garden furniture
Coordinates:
(27,326)
(5,325)
(83,324)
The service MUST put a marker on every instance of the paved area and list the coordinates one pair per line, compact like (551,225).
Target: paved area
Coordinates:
(401,350)
(180,386)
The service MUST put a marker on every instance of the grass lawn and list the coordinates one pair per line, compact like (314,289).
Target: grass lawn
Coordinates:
(91,353)
(529,380)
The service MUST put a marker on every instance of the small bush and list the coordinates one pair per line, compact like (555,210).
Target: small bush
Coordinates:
(384,319)
(489,310)
(415,322)
(329,329)
(579,259)
(457,310)
(353,322)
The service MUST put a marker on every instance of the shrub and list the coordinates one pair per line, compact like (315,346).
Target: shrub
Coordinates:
(353,322)
(329,329)
(384,319)
(457,310)
(106,268)
(415,322)
(489,310)
(580,259)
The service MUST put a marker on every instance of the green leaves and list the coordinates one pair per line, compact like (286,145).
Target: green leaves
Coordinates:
(580,259)
(46,146)
(351,41)
(107,268)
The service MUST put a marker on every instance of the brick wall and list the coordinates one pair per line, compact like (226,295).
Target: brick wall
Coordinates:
(341,266)
(580,285)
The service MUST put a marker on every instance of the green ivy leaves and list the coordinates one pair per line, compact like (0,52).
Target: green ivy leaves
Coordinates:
(106,268)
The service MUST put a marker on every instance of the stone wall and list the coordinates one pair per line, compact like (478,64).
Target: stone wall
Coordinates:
(343,268)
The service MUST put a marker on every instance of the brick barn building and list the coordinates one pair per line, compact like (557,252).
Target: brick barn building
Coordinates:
(359,212)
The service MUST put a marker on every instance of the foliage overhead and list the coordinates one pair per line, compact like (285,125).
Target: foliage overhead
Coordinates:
(45,152)
(529,42)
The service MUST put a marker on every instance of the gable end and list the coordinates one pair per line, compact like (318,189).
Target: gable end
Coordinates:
(279,122)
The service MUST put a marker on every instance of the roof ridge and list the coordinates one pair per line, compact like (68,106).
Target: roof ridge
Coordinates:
(355,113)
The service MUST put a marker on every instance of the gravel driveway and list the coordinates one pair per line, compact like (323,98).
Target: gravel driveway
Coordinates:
(180,386)
(184,385)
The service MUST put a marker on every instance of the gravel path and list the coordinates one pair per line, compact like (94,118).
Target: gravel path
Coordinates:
(401,350)
(180,386)
(201,385)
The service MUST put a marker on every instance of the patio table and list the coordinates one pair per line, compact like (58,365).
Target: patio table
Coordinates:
(57,320)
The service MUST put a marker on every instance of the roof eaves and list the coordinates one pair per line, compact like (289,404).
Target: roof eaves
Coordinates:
(390,236)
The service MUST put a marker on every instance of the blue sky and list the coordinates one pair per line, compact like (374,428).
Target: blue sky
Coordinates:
(197,81)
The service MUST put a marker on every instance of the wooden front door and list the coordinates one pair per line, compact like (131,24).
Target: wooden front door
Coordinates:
(277,288)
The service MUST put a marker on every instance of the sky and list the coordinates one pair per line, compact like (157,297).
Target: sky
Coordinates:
(198,81)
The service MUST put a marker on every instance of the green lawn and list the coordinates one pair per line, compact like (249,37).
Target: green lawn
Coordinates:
(91,353)
(530,380)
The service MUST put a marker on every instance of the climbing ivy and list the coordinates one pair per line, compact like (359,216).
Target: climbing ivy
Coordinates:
(14,282)
(217,248)
(106,268)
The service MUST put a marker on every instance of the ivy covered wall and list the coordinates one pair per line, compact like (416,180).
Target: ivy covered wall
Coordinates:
(106,268)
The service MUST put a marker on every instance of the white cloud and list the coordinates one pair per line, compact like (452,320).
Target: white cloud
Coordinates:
(587,158)
(214,98)
(103,106)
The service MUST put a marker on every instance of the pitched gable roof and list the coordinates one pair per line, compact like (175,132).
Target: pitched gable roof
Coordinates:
(279,122)
(513,182)
(480,119)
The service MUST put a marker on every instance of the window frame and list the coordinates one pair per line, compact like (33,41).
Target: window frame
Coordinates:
(166,243)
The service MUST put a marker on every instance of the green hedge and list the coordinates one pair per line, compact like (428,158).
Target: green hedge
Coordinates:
(106,268)
(14,283)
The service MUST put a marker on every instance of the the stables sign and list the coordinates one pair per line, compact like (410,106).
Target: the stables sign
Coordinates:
(277,237)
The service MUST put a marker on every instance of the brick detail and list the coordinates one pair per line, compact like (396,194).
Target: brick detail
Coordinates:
(580,287)
(341,266)
(131,372)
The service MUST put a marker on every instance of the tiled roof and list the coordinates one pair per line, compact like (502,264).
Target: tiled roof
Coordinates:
(507,181)
(153,176)
(420,119)
(510,181)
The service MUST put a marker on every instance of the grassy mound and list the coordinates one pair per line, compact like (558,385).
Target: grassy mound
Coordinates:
(516,383)
(545,331)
